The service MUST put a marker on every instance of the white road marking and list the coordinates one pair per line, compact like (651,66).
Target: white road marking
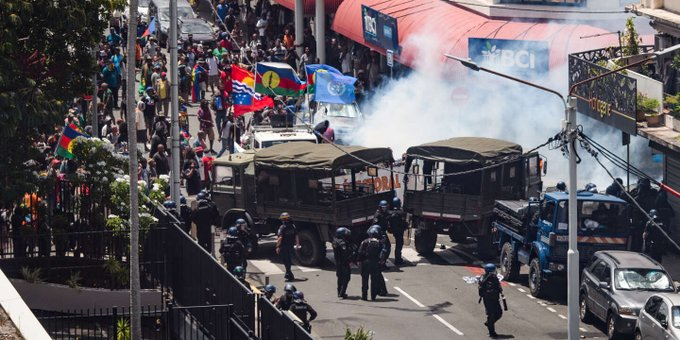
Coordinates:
(551,309)
(448,325)
(409,297)
(449,256)
(531,296)
(521,290)
(562,316)
(307,269)
(511,284)
(542,303)
(266,267)
(411,255)
(582,329)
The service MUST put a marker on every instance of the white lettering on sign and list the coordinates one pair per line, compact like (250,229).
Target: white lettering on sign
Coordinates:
(371,25)
(510,58)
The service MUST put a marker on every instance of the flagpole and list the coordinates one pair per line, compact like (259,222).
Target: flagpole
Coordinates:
(309,109)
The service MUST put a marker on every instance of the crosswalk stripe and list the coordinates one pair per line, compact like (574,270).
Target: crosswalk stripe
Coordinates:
(266,267)
(411,255)
(449,256)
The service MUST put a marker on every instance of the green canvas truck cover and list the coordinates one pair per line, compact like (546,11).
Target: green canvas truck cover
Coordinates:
(303,155)
(466,151)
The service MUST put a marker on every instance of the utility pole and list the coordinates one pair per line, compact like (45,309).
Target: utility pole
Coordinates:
(135,306)
(299,25)
(95,117)
(174,101)
(573,319)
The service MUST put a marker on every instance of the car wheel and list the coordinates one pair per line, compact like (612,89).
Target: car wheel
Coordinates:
(584,313)
(611,327)
(536,284)
(509,265)
(638,335)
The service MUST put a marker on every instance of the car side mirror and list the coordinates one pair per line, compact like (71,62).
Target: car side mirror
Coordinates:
(664,324)
(604,285)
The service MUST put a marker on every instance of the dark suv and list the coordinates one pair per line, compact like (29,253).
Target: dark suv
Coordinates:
(616,285)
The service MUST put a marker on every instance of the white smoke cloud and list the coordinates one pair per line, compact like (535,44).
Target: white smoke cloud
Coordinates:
(433,103)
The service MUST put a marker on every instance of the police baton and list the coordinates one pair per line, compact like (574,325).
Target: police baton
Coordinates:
(505,303)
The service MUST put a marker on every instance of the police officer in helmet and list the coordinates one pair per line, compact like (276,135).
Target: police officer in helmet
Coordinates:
(240,274)
(232,250)
(382,219)
(205,216)
(269,291)
(343,250)
(185,213)
(654,239)
(301,308)
(398,225)
(244,234)
(286,243)
(369,254)
(490,291)
(284,301)
(171,207)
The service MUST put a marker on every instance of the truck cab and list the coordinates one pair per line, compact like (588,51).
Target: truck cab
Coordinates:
(535,233)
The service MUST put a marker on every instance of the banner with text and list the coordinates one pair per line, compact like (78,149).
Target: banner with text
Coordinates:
(380,29)
(518,57)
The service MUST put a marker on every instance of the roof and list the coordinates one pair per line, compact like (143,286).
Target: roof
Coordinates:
(466,150)
(415,16)
(309,7)
(305,155)
(631,259)
(674,298)
(583,196)
(235,159)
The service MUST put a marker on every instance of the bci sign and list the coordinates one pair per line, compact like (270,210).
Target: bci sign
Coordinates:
(379,29)
(519,57)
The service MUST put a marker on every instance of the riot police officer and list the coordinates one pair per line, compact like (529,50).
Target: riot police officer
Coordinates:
(205,216)
(244,234)
(398,225)
(369,255)
(561,186)
(343,251)
(645,196)
(284,301)
(171,207)
(269,291)
(240,275)
(185,214)
(382,219)
(655,241)
(232,250)
(286,243)
(301,308)
(489,292)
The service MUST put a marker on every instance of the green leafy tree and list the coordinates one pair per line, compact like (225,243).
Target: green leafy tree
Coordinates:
(45,61)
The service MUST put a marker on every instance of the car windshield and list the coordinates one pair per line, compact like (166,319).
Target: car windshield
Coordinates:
(194,27)
(642,279)
(339,110)
(277,142)
(182,12)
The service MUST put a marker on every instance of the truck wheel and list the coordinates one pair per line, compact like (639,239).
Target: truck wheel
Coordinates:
(485,248)
(425,240)
(458,233)
(536,278)
(509,265)
(312,251)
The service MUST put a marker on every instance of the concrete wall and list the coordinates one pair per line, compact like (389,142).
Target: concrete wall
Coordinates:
(54,297)
(17,310)
(672,5)
(648,86)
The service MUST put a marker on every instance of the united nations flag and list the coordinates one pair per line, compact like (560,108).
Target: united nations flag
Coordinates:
(334,88)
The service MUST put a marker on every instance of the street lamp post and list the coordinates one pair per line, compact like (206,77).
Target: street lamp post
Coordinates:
(569,126)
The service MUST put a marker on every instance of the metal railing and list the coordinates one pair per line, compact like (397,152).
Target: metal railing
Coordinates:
(276,325)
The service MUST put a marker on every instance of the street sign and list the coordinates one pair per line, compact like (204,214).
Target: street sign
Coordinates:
(390,58)
(522,58)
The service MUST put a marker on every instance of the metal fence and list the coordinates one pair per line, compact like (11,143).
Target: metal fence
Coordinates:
(277,325)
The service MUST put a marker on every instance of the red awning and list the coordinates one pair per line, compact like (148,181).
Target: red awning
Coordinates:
(454,25)
(309,5)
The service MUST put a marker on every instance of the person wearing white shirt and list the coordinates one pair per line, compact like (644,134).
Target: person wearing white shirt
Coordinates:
(213,71)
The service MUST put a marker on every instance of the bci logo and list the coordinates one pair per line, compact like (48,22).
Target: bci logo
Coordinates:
(509,58)
(370,24)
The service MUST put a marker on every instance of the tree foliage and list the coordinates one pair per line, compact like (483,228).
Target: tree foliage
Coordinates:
(46,60)
(631,39)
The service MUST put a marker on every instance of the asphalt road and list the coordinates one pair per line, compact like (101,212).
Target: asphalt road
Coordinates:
(428,298)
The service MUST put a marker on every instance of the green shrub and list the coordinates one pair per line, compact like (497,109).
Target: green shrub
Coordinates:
(360,334)
(646,104)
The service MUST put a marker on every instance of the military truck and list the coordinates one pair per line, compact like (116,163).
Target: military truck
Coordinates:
(535,233)
(300,178)
(462,204)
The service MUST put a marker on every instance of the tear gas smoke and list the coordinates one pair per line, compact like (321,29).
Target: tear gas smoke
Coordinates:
(430,104)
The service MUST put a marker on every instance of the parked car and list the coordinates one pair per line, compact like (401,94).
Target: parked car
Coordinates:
(161,10)
(660,319)
(616,286)
(200,30)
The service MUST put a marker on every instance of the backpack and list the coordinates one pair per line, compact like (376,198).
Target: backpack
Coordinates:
(231,252)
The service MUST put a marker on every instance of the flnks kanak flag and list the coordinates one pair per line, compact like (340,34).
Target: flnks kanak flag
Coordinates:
(66,141)
(334,88)
(151,29)
(245,98)
(312,68)
(278,79)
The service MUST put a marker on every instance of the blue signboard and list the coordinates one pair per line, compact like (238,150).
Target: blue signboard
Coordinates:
(380,29)
(518,57)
